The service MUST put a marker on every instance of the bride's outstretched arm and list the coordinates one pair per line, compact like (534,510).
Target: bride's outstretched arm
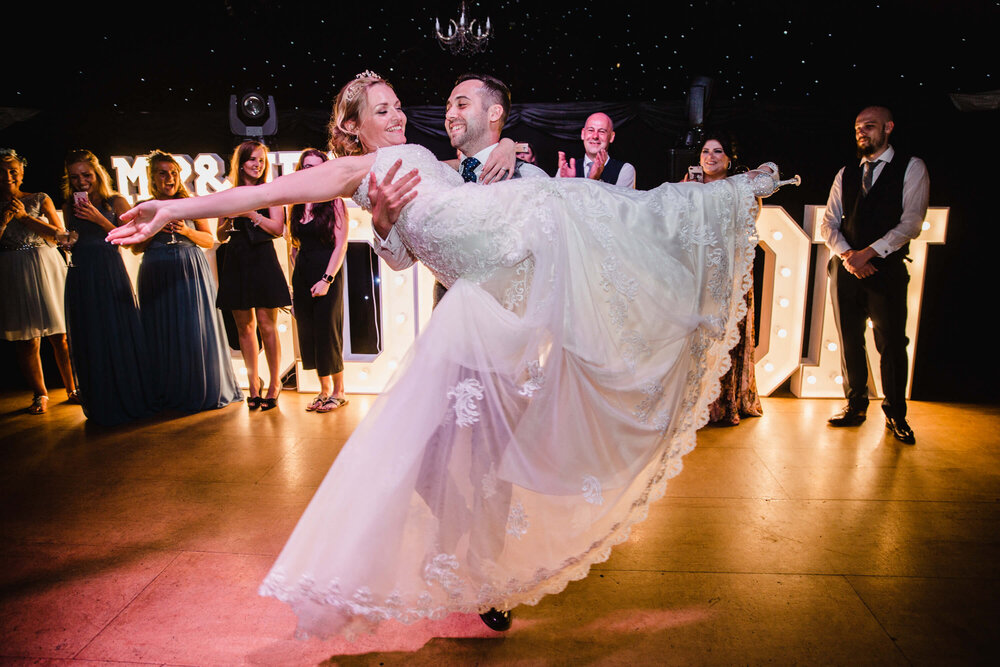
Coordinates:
(335,178)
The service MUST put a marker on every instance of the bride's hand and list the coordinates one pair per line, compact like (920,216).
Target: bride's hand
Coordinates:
(142,222)
(389,198)
(499,166)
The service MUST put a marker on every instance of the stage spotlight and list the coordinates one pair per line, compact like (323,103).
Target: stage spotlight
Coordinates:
(252,115)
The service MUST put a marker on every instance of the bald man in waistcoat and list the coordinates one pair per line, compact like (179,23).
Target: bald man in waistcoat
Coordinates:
(876,206)
(597,134)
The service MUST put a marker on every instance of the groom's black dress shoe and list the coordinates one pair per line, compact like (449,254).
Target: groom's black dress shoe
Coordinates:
(497,620)
(848,417)
(901,430)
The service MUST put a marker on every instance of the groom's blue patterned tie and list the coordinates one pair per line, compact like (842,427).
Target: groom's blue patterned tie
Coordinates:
(469,165)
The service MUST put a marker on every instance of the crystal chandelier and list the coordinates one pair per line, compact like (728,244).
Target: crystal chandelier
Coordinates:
(463,37)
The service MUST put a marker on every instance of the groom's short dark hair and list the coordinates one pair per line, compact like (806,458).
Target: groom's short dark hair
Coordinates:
(495,90)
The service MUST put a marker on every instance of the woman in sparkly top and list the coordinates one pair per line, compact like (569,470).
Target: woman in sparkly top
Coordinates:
(33,275)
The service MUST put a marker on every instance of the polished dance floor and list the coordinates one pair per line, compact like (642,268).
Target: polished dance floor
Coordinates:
(782,542)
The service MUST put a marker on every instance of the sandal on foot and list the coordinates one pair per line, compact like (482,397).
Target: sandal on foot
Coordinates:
(317,402)
(73,397)
(332,403)
(39,404)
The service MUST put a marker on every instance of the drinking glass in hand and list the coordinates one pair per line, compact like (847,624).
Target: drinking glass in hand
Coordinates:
(66,240)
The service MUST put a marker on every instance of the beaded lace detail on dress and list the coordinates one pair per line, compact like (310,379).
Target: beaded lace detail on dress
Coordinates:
(554,392)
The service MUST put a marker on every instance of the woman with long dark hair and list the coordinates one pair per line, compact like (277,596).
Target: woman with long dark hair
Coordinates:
(738,397)
(188,354)
(319,238)
(251,282)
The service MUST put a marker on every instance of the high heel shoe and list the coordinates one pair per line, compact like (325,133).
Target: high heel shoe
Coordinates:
(39,404)
(254,402)
(270,403)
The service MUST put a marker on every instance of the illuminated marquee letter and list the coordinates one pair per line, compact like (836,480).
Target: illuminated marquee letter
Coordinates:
(783,299)
(131,178)
(820,375)
(208,168)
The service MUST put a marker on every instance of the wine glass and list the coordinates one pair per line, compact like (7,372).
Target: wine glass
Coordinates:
(66,239)
(173,235)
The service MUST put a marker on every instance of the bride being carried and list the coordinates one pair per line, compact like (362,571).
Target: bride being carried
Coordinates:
(552,395)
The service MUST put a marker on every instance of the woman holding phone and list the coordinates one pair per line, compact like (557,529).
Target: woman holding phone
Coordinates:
(106,339)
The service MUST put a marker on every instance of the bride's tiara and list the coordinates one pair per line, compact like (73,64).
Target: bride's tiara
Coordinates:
(353,90)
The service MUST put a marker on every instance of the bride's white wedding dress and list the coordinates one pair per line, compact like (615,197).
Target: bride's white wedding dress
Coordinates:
(553,394)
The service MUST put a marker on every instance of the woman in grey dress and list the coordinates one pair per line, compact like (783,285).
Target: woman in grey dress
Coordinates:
(33,275)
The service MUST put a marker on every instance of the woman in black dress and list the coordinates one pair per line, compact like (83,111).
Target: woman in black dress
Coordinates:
(251,282)
(319,236)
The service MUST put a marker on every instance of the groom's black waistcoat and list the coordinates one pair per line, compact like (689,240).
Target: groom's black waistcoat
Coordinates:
(867,218)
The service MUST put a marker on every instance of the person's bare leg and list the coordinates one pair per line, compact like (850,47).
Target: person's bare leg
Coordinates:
(338,384)
(60,350)
(246,326)
(31,364)
(267,320)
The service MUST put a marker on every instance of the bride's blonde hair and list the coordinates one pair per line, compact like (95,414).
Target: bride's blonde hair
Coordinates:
(350,102)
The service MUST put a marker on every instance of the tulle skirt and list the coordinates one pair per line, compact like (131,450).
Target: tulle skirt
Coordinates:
(33,280)
(540,413)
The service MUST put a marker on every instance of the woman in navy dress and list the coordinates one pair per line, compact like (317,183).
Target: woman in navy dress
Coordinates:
(251,282)
(319,236)
(106,340)
(188,355)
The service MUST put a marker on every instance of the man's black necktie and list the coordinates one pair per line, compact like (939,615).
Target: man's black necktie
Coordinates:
(866,182)
(469,165)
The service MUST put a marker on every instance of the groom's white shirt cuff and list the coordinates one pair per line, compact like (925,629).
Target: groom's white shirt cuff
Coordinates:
(392,250)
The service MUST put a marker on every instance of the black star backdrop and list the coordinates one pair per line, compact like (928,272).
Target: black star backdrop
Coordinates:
(787,79)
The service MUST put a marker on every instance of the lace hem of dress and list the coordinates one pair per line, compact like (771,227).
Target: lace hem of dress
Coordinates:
(361,612)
